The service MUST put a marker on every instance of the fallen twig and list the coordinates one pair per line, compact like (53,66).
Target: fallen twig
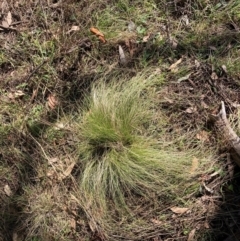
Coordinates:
(227,132)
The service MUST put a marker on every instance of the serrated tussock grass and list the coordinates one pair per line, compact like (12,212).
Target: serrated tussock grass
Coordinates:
(118,157)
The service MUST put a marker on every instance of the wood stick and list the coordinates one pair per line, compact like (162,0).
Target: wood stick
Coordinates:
(227,132)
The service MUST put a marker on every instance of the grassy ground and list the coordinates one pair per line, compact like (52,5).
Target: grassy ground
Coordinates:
(97,144)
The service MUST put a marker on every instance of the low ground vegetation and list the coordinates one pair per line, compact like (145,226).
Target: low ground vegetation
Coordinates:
(109,136)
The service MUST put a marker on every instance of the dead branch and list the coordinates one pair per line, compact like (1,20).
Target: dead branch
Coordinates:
(227,132)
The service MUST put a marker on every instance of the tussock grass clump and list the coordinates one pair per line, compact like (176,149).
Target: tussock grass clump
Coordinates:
(119,157)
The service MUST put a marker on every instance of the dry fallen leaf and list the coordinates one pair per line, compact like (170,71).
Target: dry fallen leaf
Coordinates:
(191,110)
(197,63)
(52,174)
(131,26)
(59,126)
(73,223)
(204,105)
(206,225)
(52,160)
(202,136)
(146,38)
(60,168)
(173,42)
(52,101)
(178,210)
(9,18)
(186,77)
(96,32)
(185,19)
(194,166)
(16,94)
(69,169)
(7,21)
(224,67)
(214,76)
(155,221)
(99,34)
(122,56)
(7,190)
(5,24)
(73,28)
(191,235)
(174,66)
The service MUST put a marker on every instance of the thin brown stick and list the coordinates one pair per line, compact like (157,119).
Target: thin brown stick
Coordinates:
(227,132)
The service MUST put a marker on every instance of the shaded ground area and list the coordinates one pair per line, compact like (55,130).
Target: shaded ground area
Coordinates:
(49,61)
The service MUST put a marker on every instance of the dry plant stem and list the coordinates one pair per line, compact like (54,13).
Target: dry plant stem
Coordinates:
(224,126)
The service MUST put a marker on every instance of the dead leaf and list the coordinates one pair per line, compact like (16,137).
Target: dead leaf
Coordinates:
(96,32)
(53,160)
(5,24)
(73,28)
(204,105)
(122,56)
(185,19)
(4,7)
(178,210)
(206,225)
(69,169)
(7,21)
(16,94)
(197,63)
(146,38)
(202,136)
(186,77)
(194,166)
(51,174)
(102,39)
(59,126)
(191,110)
(224,67)
(174,66)
(155,221)
(173,42)
(131,26)
(73,223)
(52,101)
(8,190)
(191,235)
(99,34)
(214,76)
(9,18)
